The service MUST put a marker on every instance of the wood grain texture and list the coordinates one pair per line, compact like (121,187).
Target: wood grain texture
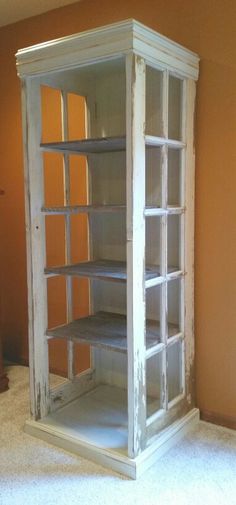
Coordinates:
(100,269)
(105,145)
(135,189)
(36,255)
(87,146)
(108,330)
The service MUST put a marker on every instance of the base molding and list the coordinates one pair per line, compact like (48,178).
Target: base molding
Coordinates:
(132,468)
(219,419)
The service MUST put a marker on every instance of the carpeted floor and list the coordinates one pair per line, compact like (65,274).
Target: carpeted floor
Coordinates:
(200,470)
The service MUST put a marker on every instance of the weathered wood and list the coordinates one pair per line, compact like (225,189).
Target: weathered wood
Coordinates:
(105,145)
(68,391)
(66,180)
(135,188)
(107,42)
(83,209)
(87,146)
(36,255)
(151,140)
(122,152)
(91,209)
(101,269)
(107,330)
(189,242)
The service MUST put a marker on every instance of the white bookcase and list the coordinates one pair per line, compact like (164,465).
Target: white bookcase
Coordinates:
(137,397)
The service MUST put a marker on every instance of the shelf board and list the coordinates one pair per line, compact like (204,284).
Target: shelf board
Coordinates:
(108,208)
(83,209)
(100,269)
(104,329)
(105,145)
(87,146)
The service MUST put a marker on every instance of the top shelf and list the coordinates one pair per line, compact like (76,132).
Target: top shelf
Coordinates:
(104,145)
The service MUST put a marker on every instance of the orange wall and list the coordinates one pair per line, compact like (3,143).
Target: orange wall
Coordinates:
(207,28)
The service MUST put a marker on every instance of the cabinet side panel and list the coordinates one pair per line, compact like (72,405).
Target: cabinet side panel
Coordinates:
(35,229)
(135,190)
(189,240)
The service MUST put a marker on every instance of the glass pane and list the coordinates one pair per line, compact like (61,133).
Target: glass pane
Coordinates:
(55,240)
(154,383)
(174,360)
(76,116)
(174,307)
(153,240)
(153,303)
(51,114)
(53,179)
(107,174)
(153,176)
(153,102)
(173,243)
(174,178)
(175,108)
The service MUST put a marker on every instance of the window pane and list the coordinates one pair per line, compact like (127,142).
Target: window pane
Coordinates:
(174,177)
(175,108)
(153,102)
(154,383)
(174,360)
(174,307)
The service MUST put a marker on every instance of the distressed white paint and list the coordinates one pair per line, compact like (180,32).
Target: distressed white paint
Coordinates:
(36,257)
(135,188)
(189,239)
(110,451)
(104,43)
(92,65)
(66,176)
(69,391)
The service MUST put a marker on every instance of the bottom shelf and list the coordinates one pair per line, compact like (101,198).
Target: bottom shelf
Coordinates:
(95,427)
(98,417)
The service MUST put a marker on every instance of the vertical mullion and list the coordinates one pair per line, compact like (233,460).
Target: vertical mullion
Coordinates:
(183,243)
(164,244)
(135,187)
(66,175)
(36,250)
(164,267)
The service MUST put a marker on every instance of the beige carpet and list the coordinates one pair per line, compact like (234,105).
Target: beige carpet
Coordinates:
(201,470)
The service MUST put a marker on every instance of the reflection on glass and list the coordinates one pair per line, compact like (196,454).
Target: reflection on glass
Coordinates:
(174,307)
(173,243)
(174,379)
(174,178)
(154,383)
(175,108)
(153,102)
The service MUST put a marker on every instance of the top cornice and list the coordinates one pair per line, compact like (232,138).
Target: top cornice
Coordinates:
(106,42)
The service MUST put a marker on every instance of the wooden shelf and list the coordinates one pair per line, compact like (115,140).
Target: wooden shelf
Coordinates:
(107,330)
(83,209)
(87,146)
(101,269)
(90,209)
(105,145)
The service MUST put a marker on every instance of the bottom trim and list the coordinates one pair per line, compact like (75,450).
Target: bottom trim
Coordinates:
(132,468)
(219,419)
